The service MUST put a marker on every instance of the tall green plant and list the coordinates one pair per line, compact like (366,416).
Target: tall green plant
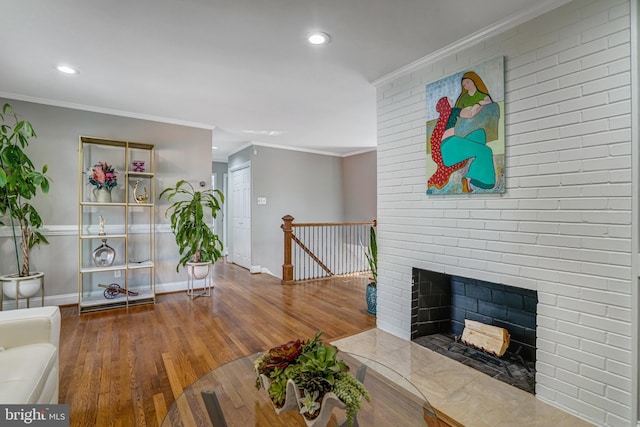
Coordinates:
(196,240)
(371,252)
(19,182)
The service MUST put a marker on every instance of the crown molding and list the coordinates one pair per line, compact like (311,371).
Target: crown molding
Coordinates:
(304,150)
(474,38)
(109,111)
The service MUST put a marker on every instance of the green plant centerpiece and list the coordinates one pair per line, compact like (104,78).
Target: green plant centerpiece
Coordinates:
(20,181)
(316,371)
(192,229)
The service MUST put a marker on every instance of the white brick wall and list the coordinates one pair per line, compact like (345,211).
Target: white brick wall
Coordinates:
(564,225)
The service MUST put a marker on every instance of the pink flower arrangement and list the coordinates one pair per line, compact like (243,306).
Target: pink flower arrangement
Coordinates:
(103,176)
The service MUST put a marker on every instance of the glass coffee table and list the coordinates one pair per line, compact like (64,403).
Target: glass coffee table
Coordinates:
(394,400)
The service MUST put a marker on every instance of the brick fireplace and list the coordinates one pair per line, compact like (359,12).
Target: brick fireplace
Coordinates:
(440,303)
(566,226)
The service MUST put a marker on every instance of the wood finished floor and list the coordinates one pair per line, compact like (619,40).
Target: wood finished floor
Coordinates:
(125,367)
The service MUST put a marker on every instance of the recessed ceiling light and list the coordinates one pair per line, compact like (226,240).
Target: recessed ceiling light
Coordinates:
(318,38)
(214,148)
(66,69)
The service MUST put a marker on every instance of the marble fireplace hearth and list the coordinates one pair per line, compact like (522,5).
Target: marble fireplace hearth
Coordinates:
(457,392)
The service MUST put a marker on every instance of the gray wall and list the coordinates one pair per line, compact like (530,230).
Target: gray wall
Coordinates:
(181,153)
(360,175)
(310,187)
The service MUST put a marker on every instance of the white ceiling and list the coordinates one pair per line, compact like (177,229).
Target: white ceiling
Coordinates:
(234,65)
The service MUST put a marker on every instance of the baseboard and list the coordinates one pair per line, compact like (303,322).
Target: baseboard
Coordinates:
(167,288)
(72,299)
(265,270)
(59,300)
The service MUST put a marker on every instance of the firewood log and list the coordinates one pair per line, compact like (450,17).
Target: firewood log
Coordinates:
(489,338)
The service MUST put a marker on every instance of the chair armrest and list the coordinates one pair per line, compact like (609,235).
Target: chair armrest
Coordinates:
(30,326)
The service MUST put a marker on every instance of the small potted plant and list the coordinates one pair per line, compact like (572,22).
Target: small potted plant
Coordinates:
(198,245)
(371,253)
(309,377)
(19,183)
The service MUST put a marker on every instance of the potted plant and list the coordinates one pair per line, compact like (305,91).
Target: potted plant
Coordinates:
(19,183)
(371,253)
(199,246)
(318,380)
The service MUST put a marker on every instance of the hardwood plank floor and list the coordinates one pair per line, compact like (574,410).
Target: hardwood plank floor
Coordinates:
(125,367)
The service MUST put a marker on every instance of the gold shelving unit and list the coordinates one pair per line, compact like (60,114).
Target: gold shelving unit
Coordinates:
(122,228)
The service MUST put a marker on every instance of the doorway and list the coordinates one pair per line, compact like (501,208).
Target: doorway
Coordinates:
(241,215)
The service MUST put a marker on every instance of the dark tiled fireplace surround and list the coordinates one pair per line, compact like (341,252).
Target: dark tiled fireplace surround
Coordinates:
(441,303)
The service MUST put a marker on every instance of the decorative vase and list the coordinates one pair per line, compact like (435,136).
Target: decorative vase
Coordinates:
(372,298)
(104,255)
(140,198)
(102,195)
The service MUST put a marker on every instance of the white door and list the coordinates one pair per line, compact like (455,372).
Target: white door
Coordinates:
(241,216)
(225,213)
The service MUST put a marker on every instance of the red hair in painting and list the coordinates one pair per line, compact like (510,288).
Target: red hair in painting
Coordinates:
(441,176)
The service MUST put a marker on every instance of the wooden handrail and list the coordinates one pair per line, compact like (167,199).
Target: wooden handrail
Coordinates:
(326,224)
(348,239)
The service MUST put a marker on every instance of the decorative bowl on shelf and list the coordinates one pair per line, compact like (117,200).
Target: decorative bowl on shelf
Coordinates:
(138,166)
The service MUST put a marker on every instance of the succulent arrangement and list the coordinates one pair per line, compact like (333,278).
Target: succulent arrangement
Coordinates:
(315,369)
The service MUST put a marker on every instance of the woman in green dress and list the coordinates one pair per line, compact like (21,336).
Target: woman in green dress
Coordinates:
(473,96)
(474,92)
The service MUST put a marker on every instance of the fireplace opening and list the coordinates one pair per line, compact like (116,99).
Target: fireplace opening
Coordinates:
(440,305)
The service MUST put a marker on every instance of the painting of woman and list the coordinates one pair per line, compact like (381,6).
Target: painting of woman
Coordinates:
(472,147)
(473,96)
(459,141)
(456,150)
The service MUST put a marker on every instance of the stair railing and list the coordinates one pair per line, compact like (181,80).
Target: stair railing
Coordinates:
(314,251)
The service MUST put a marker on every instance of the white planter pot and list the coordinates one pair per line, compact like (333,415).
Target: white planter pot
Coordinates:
(291,396)
(199,270)
(292,402)
(329,402)
(15,287)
